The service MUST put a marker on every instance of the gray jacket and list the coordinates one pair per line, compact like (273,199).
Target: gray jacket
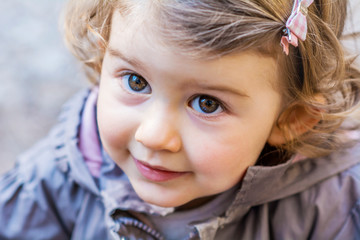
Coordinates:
(50,194)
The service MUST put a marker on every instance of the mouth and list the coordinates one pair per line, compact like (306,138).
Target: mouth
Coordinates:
(156,173)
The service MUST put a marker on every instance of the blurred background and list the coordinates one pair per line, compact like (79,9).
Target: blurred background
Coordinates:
(38,74)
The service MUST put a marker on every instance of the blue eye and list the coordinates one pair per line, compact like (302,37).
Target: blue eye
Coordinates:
(206,104)
(136,83)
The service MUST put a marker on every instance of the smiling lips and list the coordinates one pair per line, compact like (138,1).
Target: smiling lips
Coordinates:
(156,174)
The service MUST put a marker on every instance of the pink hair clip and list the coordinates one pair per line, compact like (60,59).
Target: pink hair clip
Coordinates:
(296,25)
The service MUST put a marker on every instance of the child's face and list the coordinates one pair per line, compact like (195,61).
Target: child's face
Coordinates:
(182,129)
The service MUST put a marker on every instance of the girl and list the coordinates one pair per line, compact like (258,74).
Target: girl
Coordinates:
(207,120)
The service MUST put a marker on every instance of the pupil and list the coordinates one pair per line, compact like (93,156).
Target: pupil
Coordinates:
(136,83)
(208,105)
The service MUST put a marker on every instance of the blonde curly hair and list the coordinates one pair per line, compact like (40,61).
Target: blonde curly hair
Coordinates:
(206,28)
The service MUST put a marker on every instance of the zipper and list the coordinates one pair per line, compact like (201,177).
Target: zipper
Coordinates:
(124,222)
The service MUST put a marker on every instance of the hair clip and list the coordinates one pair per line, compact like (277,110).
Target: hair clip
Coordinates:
(296,25)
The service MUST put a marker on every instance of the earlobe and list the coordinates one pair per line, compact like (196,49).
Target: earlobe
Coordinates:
(277,136)
(294,122)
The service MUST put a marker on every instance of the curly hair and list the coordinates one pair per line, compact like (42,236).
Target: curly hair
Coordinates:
(207,28)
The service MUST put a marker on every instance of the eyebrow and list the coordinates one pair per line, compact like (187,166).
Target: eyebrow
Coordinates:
(192,84)
(219,88)
(116,53)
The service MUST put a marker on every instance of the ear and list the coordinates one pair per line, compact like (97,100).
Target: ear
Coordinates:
(294,122)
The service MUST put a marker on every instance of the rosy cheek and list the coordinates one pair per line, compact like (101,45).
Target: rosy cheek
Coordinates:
(227,158)
(219,165)
(111,128)
(209,158)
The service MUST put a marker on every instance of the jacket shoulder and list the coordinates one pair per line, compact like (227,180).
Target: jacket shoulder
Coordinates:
(39,195)
(329,209)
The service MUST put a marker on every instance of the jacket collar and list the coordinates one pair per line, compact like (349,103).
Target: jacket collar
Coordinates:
(64,139)
(265,184)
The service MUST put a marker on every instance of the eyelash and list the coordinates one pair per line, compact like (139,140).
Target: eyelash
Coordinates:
(209,116)
(202,114)
(126,85)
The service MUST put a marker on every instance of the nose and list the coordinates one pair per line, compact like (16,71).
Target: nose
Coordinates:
(158,130)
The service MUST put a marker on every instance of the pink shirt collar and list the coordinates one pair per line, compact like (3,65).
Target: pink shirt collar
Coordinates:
(89,143)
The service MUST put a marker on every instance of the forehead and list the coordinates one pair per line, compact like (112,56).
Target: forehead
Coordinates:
(138,25)
(134,30)
(137,11)
(196,33)
(204,28)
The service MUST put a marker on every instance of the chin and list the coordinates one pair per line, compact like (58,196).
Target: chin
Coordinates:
(184,202)
(163,199)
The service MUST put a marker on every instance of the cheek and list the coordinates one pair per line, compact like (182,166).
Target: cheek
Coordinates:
(115,127)
(225,155)
(220,159)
